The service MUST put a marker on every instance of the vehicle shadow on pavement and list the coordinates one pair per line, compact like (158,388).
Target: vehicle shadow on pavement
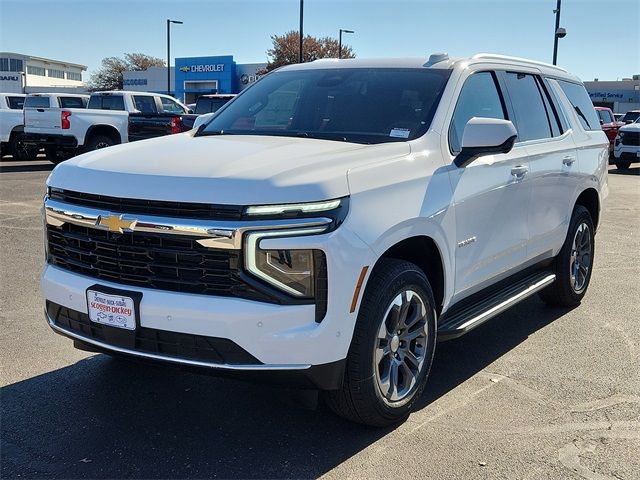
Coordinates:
(110,418)
(628,171)
(30,166)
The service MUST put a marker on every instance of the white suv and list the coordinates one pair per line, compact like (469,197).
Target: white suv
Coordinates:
(332,222)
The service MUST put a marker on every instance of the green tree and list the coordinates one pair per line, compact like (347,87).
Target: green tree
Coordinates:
(285,49)
(109,75)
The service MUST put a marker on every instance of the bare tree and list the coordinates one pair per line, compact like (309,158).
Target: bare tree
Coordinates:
(285,49)
(109,75)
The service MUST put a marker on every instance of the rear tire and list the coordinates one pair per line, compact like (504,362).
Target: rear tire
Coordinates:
(574,263)
(58,155)
(20,151)
(97,142)
(392,347)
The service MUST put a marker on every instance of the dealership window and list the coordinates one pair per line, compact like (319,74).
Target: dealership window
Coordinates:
(10,65)
(74,76)
(33,70)
(56,73)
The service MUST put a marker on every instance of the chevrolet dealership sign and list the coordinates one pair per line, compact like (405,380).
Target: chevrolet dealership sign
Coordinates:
(219,67)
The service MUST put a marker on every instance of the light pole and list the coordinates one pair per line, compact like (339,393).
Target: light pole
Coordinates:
(169,22)
(301,33)
(558,32)
(340,41)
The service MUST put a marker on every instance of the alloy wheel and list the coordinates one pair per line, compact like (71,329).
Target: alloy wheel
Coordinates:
(401,345)
(580,258)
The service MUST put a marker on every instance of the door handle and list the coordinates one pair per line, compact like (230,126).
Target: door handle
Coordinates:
(568,160)
(519,171)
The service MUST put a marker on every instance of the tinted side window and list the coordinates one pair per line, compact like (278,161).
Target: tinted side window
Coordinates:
(145,103)
(37,102)
(106,102)
(605,116)
(15,103)
(170,106)
(479,98)
(72,102)
(581,102)
(532,121)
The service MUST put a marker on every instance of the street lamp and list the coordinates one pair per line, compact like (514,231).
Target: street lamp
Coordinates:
(559,32)
(340,41)
(169,22)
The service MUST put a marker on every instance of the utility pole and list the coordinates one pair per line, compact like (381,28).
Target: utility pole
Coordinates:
(169,22)
(556,33)
(301,30)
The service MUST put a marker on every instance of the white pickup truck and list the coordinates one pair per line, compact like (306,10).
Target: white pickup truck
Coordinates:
(11,127)
(111,118)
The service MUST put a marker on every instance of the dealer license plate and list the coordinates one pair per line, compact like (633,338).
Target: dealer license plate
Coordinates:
(113,310)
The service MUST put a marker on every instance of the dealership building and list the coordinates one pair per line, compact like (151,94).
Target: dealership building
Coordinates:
(195,76)
(21,73)
(620,95)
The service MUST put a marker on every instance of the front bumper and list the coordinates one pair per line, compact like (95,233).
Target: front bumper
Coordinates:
(323,377)
(627,153)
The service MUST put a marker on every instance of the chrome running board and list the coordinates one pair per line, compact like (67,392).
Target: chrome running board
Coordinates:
(457,321)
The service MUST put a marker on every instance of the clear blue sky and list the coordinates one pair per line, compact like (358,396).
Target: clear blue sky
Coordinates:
(603,35)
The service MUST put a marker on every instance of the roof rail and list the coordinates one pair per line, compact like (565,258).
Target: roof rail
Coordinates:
(493,56)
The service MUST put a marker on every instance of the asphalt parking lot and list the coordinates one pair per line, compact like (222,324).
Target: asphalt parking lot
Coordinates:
(536,393)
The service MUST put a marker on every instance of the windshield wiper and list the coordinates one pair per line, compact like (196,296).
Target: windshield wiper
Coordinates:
(206,133)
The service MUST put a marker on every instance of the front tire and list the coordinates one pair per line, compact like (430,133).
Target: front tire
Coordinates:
(392,347)
(574,263)
(58,155)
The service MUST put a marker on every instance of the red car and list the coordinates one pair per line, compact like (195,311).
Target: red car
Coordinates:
(610,125)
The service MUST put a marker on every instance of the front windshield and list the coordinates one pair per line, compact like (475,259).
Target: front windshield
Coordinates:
(360,105)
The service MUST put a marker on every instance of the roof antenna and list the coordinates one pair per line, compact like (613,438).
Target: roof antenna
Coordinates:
(436,58)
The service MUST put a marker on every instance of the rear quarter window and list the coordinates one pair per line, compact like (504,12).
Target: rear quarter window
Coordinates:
(582,105)
(107,102)
(15,103)
(37,102)
(72,102)
(145,103)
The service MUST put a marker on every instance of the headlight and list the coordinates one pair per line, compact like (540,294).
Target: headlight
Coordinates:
(325,207)
(291,271)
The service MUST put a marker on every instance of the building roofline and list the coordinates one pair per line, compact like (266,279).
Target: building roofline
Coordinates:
(44,59)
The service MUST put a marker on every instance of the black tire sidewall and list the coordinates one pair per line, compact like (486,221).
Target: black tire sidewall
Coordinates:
(17,152)
(400,277)
(99,139)
(563,271)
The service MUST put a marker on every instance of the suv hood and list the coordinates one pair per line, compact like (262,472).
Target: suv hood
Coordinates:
(233,169)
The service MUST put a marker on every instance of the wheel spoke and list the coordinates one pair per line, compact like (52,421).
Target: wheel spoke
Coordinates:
(412,335)
(411,358)
(393,380)
(409,376)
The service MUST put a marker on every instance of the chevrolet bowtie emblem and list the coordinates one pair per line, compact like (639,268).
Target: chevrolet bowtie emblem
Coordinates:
(184,69)
(116,224)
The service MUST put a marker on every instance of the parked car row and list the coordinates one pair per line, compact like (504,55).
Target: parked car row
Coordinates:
(67,124)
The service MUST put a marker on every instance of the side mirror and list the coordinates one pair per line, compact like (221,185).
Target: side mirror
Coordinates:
(189,111)
(485,136)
